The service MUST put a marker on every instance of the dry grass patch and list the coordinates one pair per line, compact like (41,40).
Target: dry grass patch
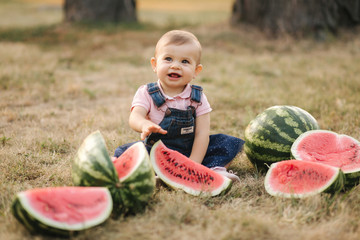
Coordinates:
(59,83)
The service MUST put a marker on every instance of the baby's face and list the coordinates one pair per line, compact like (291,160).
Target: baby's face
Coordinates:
(176,65)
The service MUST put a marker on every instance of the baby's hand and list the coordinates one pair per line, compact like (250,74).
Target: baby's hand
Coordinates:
(151,128)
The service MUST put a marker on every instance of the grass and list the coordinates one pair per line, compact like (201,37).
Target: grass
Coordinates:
(58,83)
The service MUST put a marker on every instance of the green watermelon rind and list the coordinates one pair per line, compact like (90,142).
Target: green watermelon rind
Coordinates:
(352,177)
(333,186)
(268,137)
(36,223)
(138,187)
(225,187)
(92,166)
(142,178)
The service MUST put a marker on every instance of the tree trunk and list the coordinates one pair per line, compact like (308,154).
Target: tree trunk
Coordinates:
(100,10)
(297,16)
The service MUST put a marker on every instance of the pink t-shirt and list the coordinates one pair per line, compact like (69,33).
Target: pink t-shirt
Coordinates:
(181,102)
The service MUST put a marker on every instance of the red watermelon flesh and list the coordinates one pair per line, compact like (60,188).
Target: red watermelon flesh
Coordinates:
(65,208)
(178,171)
(125,164)
(329,148)
(293,178)
(68,205)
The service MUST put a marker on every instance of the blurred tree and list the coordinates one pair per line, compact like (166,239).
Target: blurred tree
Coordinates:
(100,10)
(297,16)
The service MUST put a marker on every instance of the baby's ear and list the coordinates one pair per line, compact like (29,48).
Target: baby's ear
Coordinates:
(198,69)
(153,63)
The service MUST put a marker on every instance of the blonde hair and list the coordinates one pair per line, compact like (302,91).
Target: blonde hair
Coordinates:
(179,37)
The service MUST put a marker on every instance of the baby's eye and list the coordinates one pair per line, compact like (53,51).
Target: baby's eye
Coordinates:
(185,61)
(168,59)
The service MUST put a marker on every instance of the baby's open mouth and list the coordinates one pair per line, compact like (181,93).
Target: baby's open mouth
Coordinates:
(174,75)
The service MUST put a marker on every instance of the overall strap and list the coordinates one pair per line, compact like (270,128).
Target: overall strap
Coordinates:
(196,93)
(155,93)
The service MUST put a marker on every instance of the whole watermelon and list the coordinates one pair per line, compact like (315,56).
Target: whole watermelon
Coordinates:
(268,137)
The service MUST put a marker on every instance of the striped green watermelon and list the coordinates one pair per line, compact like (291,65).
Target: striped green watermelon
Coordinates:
(136,176)
(129,178)
(62,211)
(327,147)
(268,137)
(299,179)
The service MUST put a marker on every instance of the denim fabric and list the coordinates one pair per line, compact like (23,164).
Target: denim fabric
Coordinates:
(159,99)
(180,125)
(196,92)
(155,93)
(222,150)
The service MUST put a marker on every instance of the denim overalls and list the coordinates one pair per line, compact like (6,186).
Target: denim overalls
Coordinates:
(180,125)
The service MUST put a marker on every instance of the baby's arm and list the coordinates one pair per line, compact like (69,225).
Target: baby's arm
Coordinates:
(201,140)
(140,123)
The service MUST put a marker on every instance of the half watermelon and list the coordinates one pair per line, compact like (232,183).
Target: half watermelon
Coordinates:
(131,180)
(330,148)
(136,177)
(62,210)
(299,179)
(179,172)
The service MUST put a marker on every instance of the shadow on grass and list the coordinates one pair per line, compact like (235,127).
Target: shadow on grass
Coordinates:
(65,33)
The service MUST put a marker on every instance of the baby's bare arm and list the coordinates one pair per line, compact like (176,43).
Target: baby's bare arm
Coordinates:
(201,140)
(139,122)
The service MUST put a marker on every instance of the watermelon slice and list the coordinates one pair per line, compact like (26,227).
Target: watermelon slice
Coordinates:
(130,178)
(179,172)
(299,179)
(330,148)
(62,210)
(136,177)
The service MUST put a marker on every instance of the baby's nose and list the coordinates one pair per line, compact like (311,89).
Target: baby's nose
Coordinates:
(175,65)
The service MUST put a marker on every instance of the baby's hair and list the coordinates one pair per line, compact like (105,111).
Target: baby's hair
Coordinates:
(178,37)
